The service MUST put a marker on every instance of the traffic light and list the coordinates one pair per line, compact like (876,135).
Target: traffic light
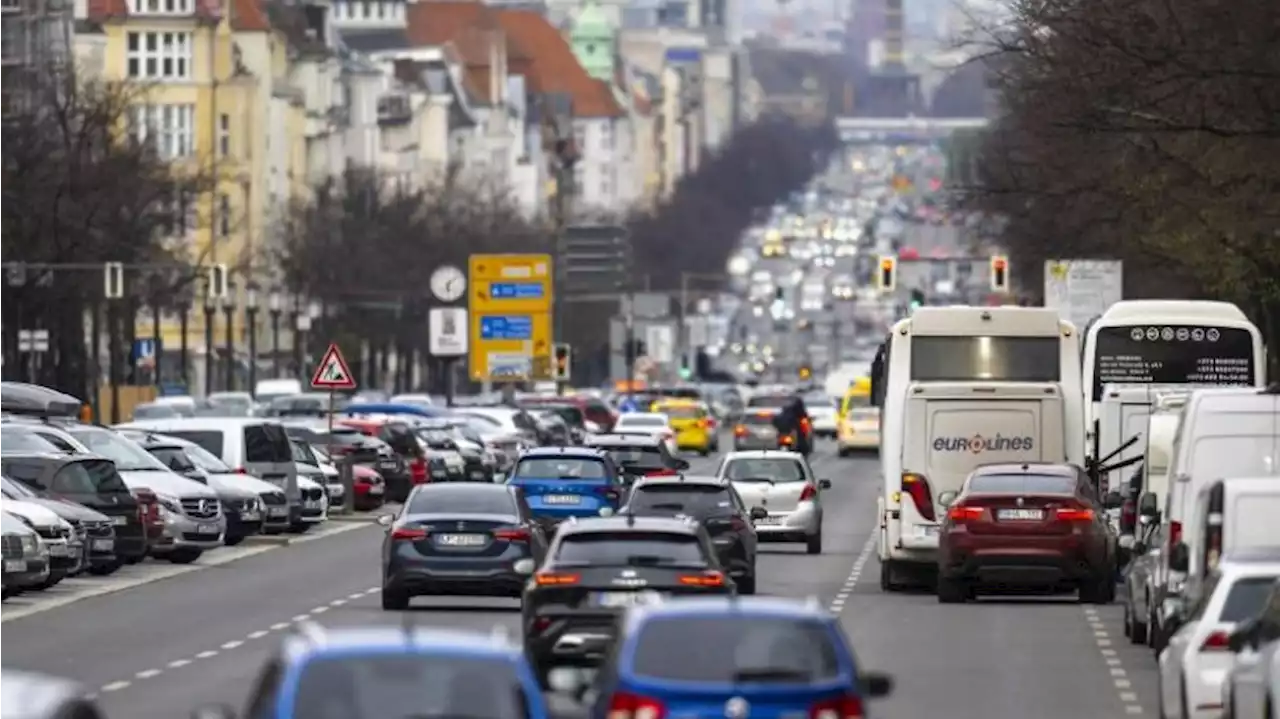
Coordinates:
(999,273)
(887,275)
(917,299)
(563,362)
(806,373)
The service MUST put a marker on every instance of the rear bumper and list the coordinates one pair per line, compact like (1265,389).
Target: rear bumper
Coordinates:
(572,636)
(448,579)
(794,526)
(1019,565)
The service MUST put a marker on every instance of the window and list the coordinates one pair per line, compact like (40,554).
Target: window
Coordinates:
(181,221)
(644,458)
(606,135)
(224,134)
(402,684)
(266,443)
(159,55)
(560,468)
(633,547)
(465,499)
(1246,599)
(579,178)
(1022,484)
(765,469)
(88,477)
(174,458)
(210,440)
(161,7)
(735,649)
(224,214)
(606,185)
(169,128)
(698,500)
(12,440)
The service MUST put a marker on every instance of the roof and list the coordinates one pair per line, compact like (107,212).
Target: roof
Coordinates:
(212,423)
(679,480)
(626,522)
(1251,556)
(553,68)
(623,440)
(695,606)
(245,15)
(764,454)
(313,640)
(571,452)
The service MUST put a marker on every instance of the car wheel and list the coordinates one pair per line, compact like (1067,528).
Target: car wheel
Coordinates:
(1137,630)
(813,544)
(887,584)
(102,570)
(300,527)
(394,600)
(134,559)
(952,591)
(747,585)
(184,556)
(233,541)
(844,452)
(1128,622)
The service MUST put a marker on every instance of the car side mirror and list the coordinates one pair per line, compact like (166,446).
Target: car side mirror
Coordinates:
(877,685)
(1112,500)
(523,567)
(682,464)
(385,520)
(1139,547)
(1147,520)
(824,484)
(214,711)
(1148,506)
(946,499)
(758,513)
(1179,557)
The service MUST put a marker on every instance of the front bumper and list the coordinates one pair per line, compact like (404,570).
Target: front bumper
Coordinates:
(183,532)
(28,571)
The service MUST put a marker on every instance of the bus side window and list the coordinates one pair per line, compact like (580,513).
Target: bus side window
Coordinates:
(879,367)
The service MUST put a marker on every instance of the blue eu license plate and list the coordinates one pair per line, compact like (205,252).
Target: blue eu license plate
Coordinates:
(561,499)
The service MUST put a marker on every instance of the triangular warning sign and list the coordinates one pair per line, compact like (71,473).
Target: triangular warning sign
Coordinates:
(333,373)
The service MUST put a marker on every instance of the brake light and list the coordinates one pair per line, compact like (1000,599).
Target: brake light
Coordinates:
(1070,514)
(961,513)
(625,705)
(917,487)
(241,470)
(740,431)
(662,472)
(411,534)
(552,579)
(706,579)
(804,425)
(1216,642)
(1213,541)
(512,535)
(609,493)
(737,522)
(418,471)
(845,707)
(1175,536)
(809,492)
(787,439)
(540,625)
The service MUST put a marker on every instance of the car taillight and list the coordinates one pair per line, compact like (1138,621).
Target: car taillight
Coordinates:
(738,522)
(917,487)
(740,431)
(805,425)
(554,579)
(418,471)
(845,707)
(786,439)
(705,579)
(1175,536)
(540,625)
(808,493)
(412,534)
(1213,541)
(1216,642)
(1128,514)
(961,513)
(1071,514)
(625,705)
(512,535)
(610,493)
(241,470)
(661,472)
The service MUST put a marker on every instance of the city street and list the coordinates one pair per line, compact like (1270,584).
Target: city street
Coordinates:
(157,650)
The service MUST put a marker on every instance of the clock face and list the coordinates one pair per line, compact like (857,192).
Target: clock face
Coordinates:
(448,284)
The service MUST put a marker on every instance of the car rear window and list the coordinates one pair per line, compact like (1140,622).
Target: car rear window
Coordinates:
(560,468)
(479,499)
(638,457)
(781,469)
(210,440)
(572,416)
(679,412)
(696,500)
(641,422)
(1247,598)
(631,548)
(409,684)
(780,400)
(266,443)
(1022,484)
(88,477)
(731,650)
(758,419)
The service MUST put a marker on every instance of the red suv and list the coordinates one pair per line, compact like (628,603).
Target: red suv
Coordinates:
(1027,526)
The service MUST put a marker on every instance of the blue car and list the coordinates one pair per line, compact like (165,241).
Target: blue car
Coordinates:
(717,657)
(563,482)
(390,671)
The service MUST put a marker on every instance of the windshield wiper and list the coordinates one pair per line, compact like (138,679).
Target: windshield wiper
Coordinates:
(669,506)
(754,479)
(764,674)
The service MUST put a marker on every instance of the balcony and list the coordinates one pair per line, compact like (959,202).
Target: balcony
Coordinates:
(394,109)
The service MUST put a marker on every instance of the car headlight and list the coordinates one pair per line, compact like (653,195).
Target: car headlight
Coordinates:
(169,503)
(30,543)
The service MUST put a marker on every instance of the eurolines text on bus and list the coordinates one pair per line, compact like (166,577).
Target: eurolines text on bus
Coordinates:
(978,444)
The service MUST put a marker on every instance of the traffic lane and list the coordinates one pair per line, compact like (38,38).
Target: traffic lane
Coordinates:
(1140,683)
(997,657)
(110,638)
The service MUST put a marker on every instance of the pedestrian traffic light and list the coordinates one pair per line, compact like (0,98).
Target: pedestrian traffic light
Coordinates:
(917,299)
(887,276)
(999,273)
(563,365)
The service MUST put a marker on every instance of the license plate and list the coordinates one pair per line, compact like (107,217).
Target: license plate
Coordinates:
(278,512)
(376,489)
(769,520)
(15,565)
(103,545)
(462,540)
(622,600)
(561,499)
(207,529)
(119,521)
(311,504)
(478,474)
(59,550)
(388,464)
(928,530)
(249,516)
(1022,515)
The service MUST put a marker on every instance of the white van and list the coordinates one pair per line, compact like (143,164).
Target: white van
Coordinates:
(952,428)
(1230,515)
(1122,415)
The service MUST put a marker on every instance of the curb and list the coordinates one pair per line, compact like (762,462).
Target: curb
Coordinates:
(271,540)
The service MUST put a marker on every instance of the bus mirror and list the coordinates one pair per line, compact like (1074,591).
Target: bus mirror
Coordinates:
(1180,557)
(1147,506)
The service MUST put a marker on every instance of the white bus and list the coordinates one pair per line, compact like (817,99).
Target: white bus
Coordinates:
(1171,342)
(960,387)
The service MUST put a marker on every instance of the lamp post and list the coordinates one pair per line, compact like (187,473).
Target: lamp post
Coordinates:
(210,311)
(229,312)
(251,318)
(274,305)
(302,325)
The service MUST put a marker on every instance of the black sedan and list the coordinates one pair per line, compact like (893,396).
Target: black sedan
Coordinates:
(599,567)
(459,539)
(714,503)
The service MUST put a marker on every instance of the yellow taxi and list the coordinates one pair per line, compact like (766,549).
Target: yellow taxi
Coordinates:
(858,423)
(693,423)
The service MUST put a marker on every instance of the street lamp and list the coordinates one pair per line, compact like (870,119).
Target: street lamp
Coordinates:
(210,310)
(229,311)
(251,318)
(302,325)
(274,304)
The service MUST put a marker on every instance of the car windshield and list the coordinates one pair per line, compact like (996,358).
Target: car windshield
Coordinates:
(14,440)
(1246,599)
(637,457)
(206,460)
(128,456)
(778,400)
(462,499)
(630,548)
(1022,484)
(301,452)
(770,469)
(560,468)
(572,416)
(155,411)
(641,421)
(14,490)
(695,500)
(413,685)
(88,477)
(174,457)
(734,649)
(683,412)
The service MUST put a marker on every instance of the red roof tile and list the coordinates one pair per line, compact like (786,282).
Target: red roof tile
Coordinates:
(246,15)
(554,67)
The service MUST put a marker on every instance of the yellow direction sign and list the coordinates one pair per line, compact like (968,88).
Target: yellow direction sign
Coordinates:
(511,297)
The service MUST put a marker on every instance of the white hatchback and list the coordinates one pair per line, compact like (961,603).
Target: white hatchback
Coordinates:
(657,424)
(782,483)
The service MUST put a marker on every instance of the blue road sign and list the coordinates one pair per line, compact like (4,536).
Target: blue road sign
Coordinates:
(144,348)
(506,327)
(516,290)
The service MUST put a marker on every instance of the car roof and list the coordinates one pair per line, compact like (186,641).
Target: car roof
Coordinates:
(313,640)
(198,423)
(721,605)
(764,454)
(623,440)
(627,522)
(636,415)
(678,480)
(1057,469)
(568,452)
(56,458)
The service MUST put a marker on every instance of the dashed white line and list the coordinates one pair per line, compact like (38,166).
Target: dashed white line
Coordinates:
(207,654)
(279,625)
(113,687)
(855,573)
(179,663)
(147,673)
(232,644)
(1119,677)
(257,635)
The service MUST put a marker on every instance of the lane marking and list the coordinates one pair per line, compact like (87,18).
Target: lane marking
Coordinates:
(179,663)
(207,654)
(232,644)
(113,687)
(1115,667)
(147,673)
(257,635)
(855,573)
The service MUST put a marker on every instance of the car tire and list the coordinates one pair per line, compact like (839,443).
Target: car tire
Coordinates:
(952,591)
(1137,630)
(394,601)
(184,556)
(300,527)
(1098,590)
(813,543)
(887,583)
(844,452)
(102,570)
(233,541)
(134,559)
(747,585)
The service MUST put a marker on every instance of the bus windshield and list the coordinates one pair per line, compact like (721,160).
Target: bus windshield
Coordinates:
(1179,354)
(1003,359)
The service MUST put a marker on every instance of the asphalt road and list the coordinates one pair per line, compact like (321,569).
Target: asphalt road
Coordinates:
(158,650)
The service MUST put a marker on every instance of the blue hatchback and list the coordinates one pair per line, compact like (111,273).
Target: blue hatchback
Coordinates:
(714,657)
(563,482)
(388,671)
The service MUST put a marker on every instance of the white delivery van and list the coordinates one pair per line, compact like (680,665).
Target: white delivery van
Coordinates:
(1230,515)
(1122,415)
